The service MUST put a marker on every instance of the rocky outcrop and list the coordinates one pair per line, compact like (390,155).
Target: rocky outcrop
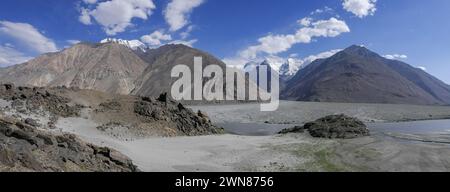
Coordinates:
(24,148)
(35,99)
(182,120)
(332,127)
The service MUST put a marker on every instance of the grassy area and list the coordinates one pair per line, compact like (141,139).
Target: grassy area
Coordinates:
(322,155)
(319,158)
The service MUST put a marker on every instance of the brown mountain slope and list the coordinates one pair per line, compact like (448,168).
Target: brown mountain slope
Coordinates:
(156,77)
(362,76)
(108,67)
(427,82)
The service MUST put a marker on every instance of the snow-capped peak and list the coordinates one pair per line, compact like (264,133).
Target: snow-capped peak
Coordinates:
(132,44)
(288,67)
(280,65)
(291,67)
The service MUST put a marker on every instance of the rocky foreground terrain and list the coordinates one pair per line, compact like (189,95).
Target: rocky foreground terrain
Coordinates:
(30,139)
(40,128)
(141,116)
(25,148)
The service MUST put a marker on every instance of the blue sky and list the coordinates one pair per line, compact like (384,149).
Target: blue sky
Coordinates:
(415,31)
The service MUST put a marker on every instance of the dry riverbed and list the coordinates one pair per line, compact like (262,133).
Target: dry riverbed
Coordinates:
(292,152)
(383,151)
(291,112)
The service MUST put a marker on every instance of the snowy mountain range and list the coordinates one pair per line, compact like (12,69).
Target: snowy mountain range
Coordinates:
(132,44)
(287,68)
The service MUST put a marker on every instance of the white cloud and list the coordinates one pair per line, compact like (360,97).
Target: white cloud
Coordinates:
(360,8)
(90,1)
(73,42)
(422,68)
(10,56)
(156,38)
(293,55)
(177,12)
(395,56)
(189,43)
(29,36)
(274,44)
(326,9)
(276,61)
(85,18)
(323,55)
(185,34)
(295,63)
(305,21)
(115,16)
(237,62)
(271,45)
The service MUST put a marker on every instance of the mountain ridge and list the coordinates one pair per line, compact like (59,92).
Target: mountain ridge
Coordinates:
(355,74)
(111,67)
(359,75)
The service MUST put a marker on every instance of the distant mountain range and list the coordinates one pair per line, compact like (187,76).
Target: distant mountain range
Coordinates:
(287,68)
(355,74)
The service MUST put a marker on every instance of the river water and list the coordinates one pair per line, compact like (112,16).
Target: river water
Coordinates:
(410,127)
(414,127)
(253,129)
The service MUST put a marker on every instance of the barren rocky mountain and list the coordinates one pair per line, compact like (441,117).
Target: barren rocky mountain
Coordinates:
(359,75)
(156,79)
(108,67)
(419,77)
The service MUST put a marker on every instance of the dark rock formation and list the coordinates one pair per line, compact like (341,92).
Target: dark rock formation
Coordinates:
(24,148)
(32,122)
(166,111)
(333,126)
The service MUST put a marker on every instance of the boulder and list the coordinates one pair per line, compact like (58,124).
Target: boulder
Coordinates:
(333,127)
(32,122)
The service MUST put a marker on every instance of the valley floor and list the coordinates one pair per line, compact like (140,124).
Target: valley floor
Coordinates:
(292,112)
(382,151)
(294,152)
